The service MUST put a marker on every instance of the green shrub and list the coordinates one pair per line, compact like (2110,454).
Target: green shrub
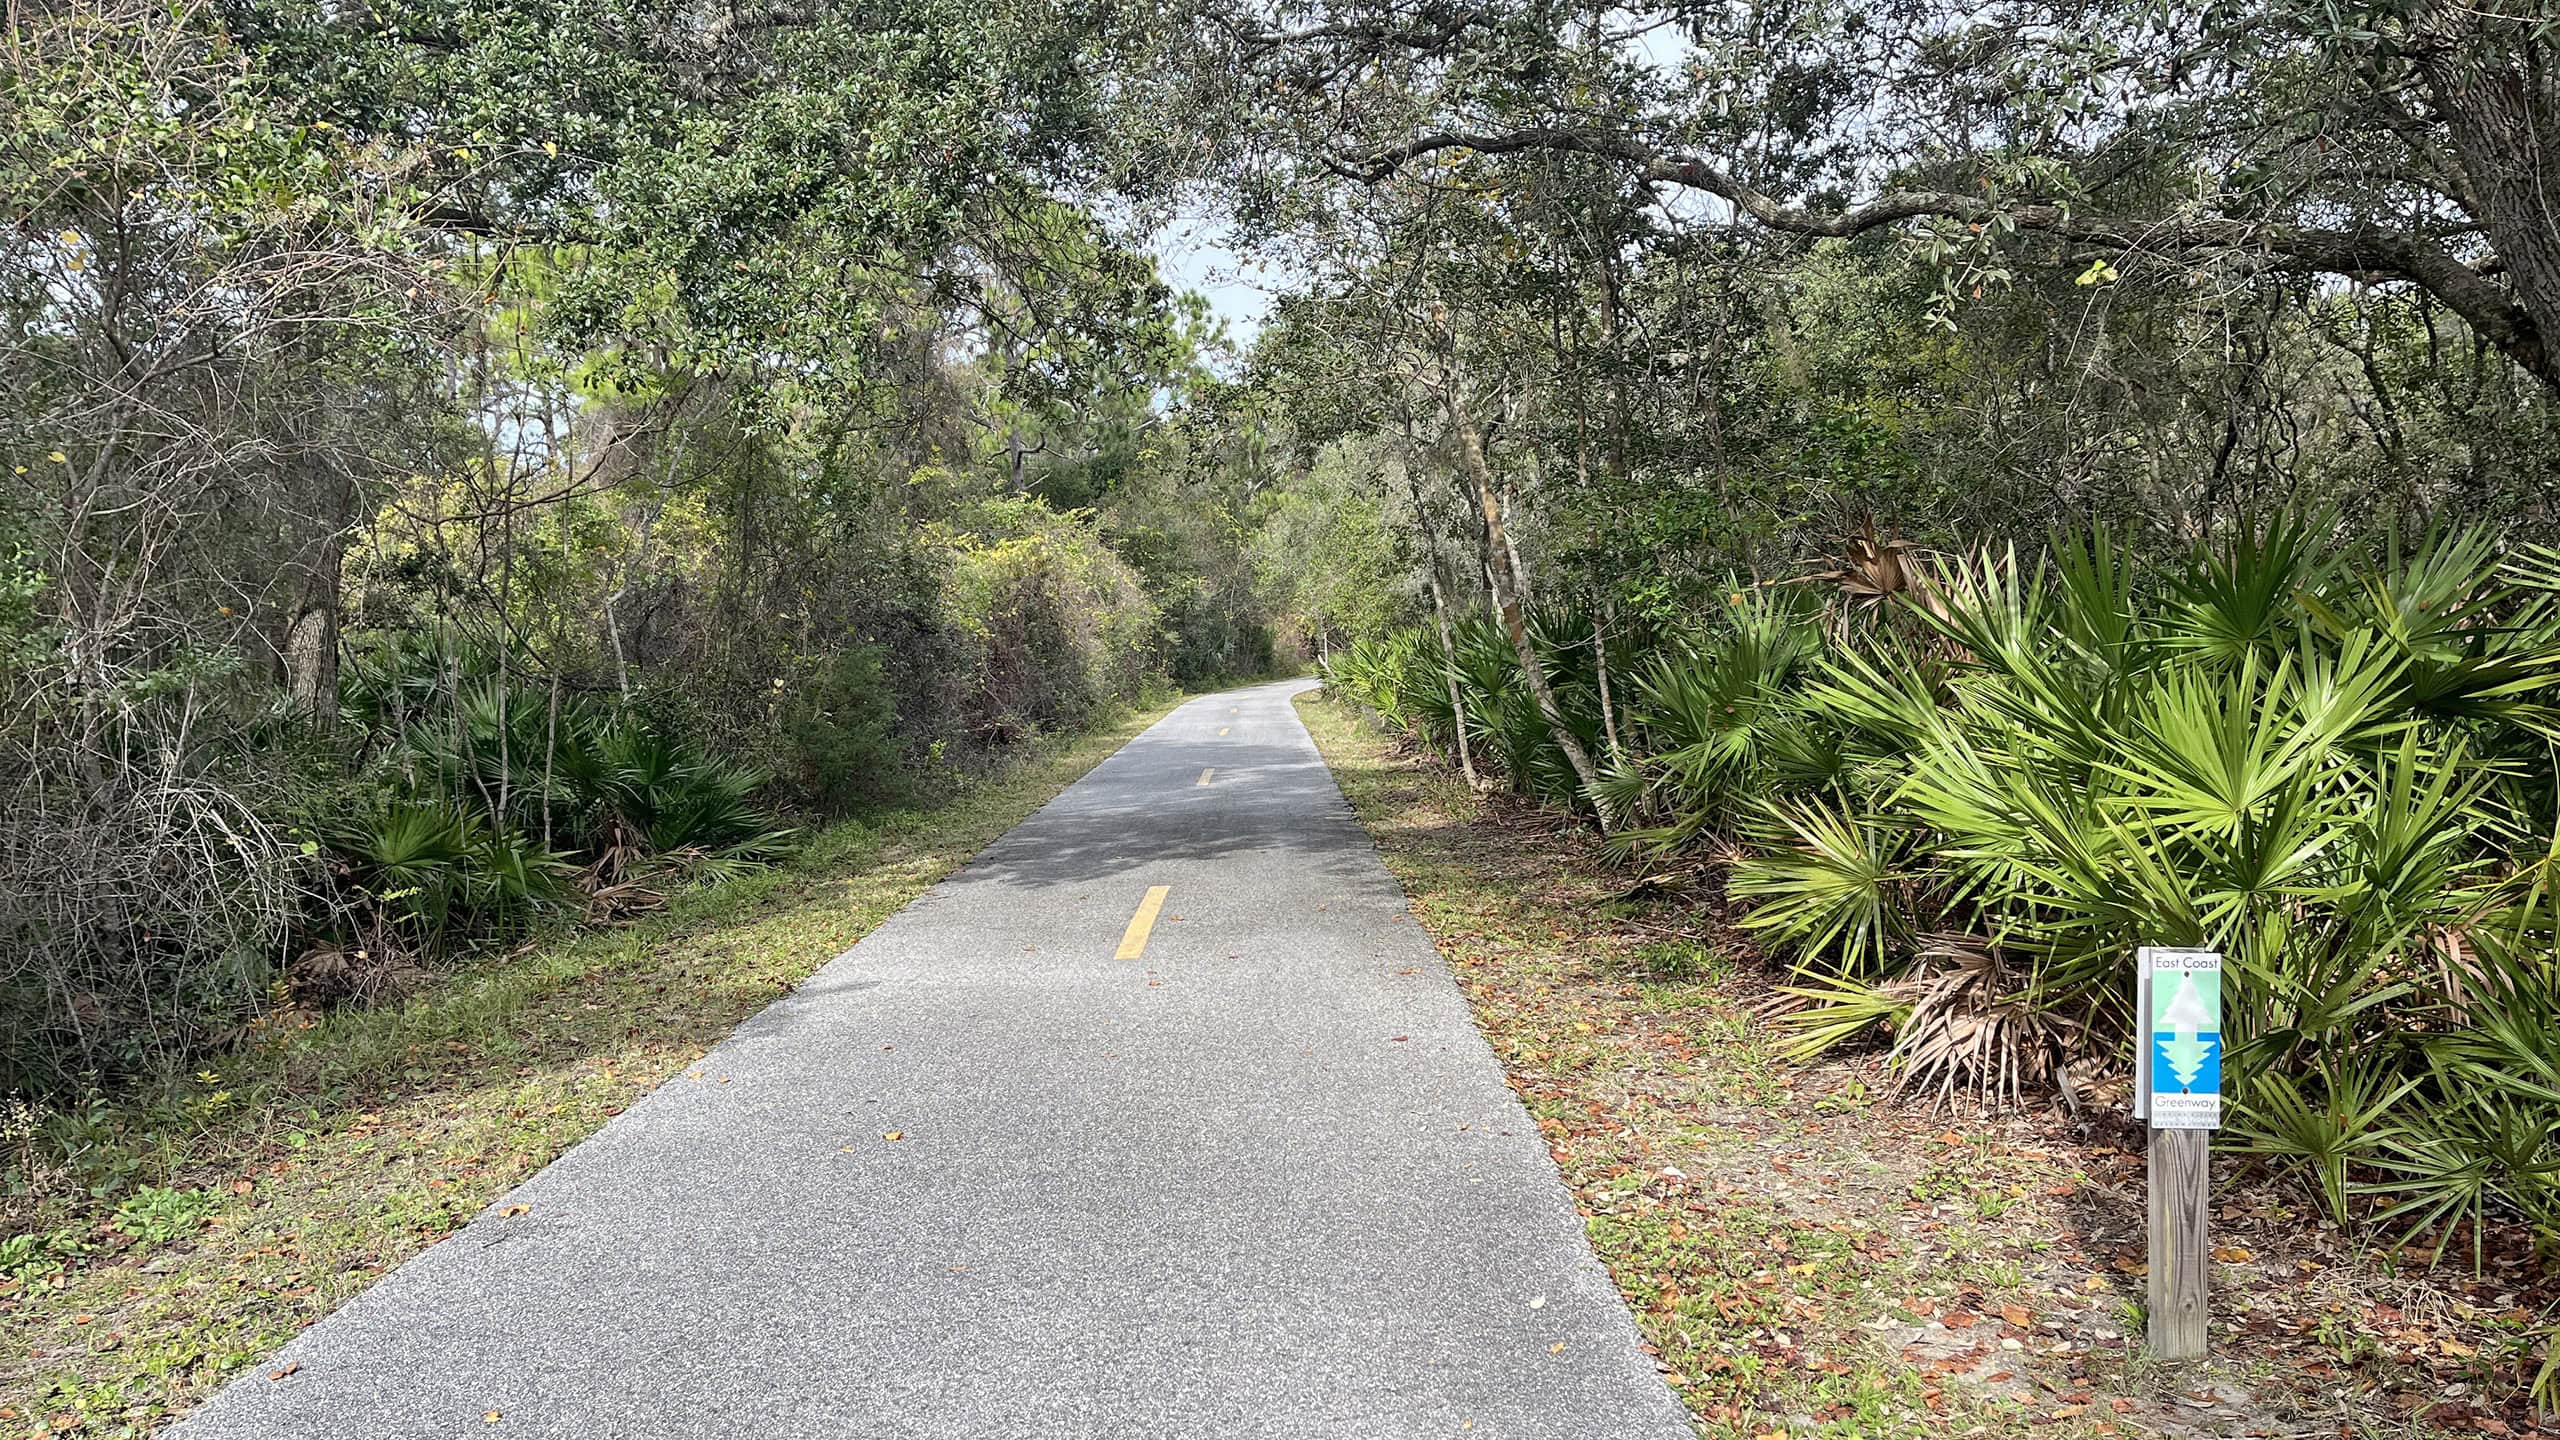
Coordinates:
(840,730)
(34,1258)
(490,802)
(153,1215)
(1064,626)
(1963,799)
(437,868)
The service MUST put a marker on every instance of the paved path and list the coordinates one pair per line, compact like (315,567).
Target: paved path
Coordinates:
(1262,1180)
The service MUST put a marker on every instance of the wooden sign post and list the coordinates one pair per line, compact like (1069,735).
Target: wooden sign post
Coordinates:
(2178,1088)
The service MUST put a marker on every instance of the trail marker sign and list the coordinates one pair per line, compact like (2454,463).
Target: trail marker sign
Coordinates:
(2178,1087)
(2181,1015)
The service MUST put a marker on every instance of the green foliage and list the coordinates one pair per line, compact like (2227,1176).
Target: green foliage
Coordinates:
(31,1258)
(2327,1126)
(841,729)
(434,866)
(1956,815)
(1395,676)
(1322,548)
(560,419)
(657,791)
(1824,883)
(1063,626)
(156,1215)
(499,800)
(1722,716)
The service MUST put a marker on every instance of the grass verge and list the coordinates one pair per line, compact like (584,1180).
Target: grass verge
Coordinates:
(1806,1256)
(297,1170)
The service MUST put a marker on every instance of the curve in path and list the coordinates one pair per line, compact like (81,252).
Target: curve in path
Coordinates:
(1264,1179)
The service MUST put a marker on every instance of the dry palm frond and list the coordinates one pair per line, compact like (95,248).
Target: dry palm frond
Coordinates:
(1872,567)
(1967,1031)
(621,852)
(1666,883)
(628,882)
(374,964)
(1871,572)
(621,900)
(2458,976)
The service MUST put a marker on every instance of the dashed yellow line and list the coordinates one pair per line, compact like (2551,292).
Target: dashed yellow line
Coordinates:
(1133,941)
(1205,774)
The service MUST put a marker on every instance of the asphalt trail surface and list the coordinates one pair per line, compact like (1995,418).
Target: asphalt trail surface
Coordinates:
(1262,1180)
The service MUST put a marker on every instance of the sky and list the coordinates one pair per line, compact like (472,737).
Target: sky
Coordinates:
(1198,252)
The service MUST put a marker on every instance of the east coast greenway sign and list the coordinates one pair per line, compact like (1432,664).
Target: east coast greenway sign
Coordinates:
(2178,999)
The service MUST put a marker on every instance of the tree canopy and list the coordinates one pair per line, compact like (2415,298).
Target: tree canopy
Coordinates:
(481,465)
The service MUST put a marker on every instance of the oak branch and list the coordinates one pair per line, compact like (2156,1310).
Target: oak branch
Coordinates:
(2362,252)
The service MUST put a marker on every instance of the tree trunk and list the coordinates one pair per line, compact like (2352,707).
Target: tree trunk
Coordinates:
(310,642)
(1503,567)
(311,658)
(1600,658)
(2500,102)
(1440,612)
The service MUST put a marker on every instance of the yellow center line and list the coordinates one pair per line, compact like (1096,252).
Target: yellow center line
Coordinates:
(1133,941)
(1205,774)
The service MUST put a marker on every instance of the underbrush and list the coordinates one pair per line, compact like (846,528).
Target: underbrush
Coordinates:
(1953,794)
(188,856)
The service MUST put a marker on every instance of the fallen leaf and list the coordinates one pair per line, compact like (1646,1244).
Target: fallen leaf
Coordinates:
(490,1419)
(287,1370)
(513,1211)
(893,1134)
(1556,1349)
(2018,1315)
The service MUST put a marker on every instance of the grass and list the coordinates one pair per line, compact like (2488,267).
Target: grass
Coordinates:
(1807,1255)
(181,1241)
